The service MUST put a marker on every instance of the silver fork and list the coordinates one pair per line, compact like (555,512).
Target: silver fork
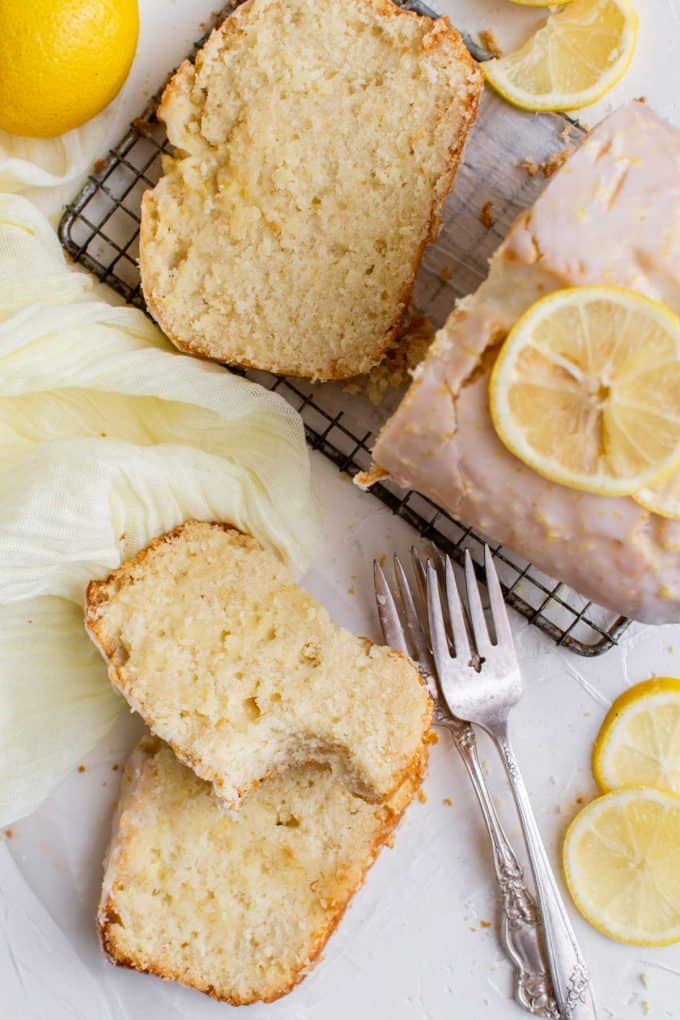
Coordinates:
(519,927)
(481,683)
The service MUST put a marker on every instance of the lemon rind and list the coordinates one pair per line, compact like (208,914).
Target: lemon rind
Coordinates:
(647,502)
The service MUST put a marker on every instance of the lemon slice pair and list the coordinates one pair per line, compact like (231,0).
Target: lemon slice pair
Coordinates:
(573,60)
(586,391)
(622,852)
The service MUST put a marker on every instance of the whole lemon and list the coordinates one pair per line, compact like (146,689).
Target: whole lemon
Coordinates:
(62,61)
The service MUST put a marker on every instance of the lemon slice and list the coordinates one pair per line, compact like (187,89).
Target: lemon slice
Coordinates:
(573,60)
(662,497)
(586,390)
(639,741)
(621,860)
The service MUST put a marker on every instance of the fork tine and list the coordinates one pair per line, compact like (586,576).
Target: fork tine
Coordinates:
(440,644)
(439,559)
(413,623)
(393,632)
(420,571)
(499,611)
(479,627)
(456,615)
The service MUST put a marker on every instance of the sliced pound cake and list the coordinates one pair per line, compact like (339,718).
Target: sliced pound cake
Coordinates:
(238,908)
(315,142)
(244,674)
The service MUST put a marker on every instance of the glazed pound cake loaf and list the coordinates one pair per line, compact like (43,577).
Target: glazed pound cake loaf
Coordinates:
(241,908)
(315,142)
(245,675)
(611,216)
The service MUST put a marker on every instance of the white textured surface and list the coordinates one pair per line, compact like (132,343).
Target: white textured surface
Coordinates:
(412,946)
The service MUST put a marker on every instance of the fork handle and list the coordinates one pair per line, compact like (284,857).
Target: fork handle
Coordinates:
(570,977)
(520,925)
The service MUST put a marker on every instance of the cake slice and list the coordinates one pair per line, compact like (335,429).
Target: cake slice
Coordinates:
(244,674)
(611,215)
(314,144)
(241,908)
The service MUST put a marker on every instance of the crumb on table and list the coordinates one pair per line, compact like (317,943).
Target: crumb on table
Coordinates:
(142,125)
(549,166)
(531,167)
(485,924)
(81,768)
(9,833)
(486,215)
(448,802)
(422,796)
(398,364)
(445,273)
(490,43)
(115,767)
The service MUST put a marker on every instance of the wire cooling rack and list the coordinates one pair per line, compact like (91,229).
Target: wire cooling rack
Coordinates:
(502,171)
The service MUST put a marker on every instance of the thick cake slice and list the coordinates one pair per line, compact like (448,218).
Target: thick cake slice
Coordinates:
(244,674)
(241,908)
(315,142)
(611,215)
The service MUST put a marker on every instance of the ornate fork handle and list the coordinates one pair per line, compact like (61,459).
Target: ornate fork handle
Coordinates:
(570,977)
(520,925)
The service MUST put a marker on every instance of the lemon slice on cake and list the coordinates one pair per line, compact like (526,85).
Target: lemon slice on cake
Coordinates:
(639,741)
(621,860)
(586,390)
(573,60)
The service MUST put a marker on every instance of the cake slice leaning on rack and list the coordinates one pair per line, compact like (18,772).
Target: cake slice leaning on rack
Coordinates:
(610,216)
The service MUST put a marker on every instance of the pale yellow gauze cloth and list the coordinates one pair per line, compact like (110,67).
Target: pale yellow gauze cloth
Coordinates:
(108,438)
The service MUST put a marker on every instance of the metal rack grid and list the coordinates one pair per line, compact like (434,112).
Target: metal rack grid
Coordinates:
(100,228)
